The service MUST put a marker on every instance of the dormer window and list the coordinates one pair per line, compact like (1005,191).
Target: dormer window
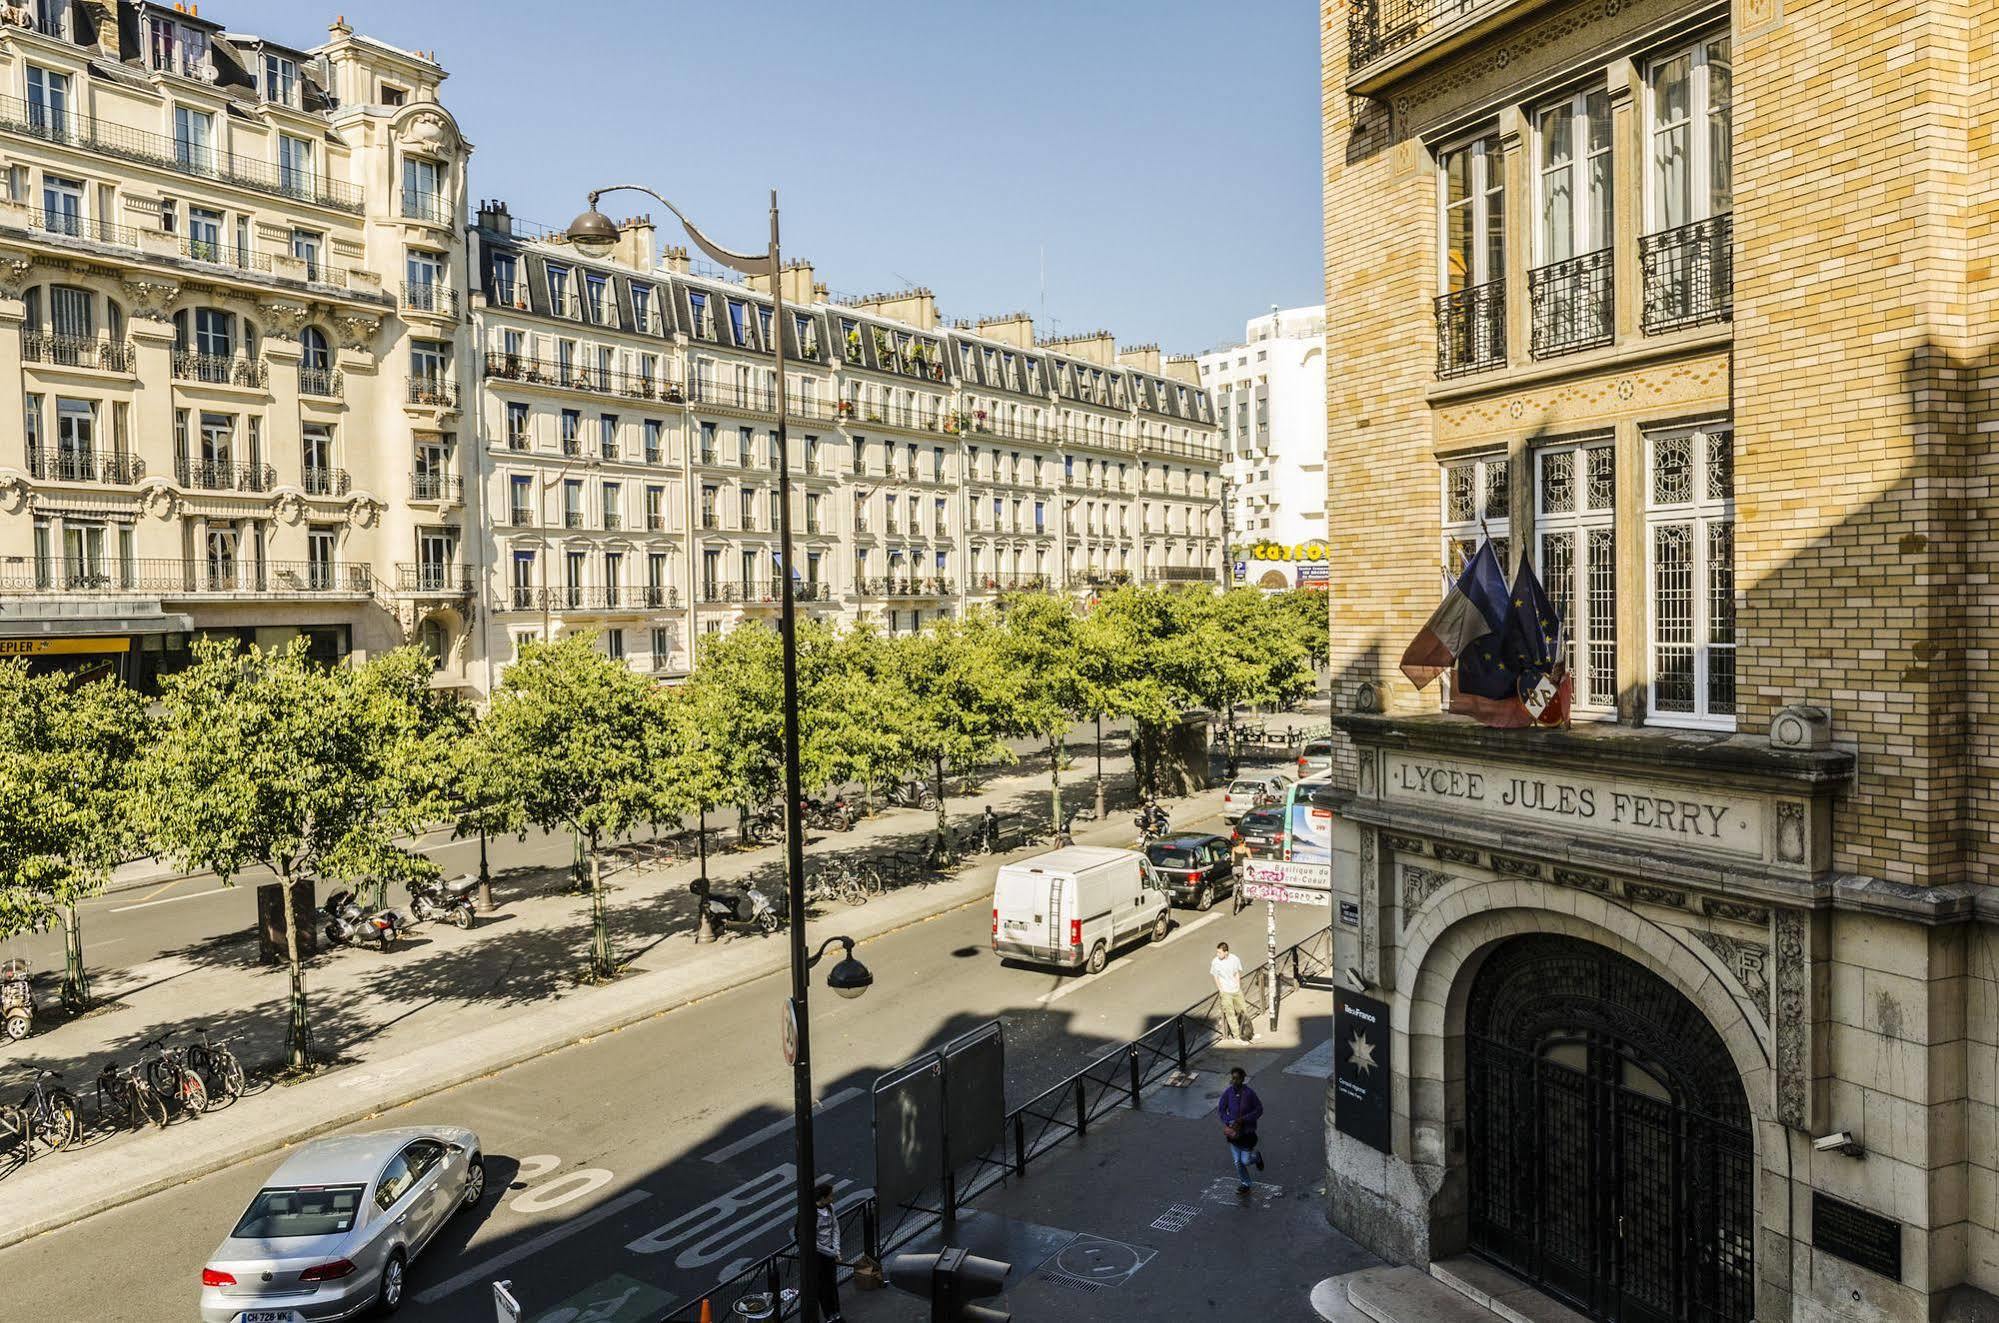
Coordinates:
(763,321)
(393,96)
(642,307)
(558,290)
(281,80)
(697,303)
(594,286)
(176,48)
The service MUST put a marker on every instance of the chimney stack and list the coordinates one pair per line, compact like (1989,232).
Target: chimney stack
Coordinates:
(493,215)
(1143,357)
(1013,328)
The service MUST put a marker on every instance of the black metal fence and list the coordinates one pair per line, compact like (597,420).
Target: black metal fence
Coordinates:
(1117,1078)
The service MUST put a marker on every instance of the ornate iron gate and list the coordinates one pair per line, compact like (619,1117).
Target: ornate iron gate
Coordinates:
(1609,1147)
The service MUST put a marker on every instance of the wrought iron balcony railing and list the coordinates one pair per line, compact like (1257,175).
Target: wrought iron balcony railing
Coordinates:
(434,392)
(221,254)
(104,354)
(442,488)
(1181,574)
(55,464)
(1471,329)
(325,382)
(1012,582)
(907,585)
(222,370)
(433,296)
(1572,304)
(216,475)
(166,577)
(1689,274)
(576,376)
(126,144)
(419,205)
(326,482)
(434,577)
(1379,27)
(761,592)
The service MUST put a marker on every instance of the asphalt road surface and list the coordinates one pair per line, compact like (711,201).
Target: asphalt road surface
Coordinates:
(644,1166)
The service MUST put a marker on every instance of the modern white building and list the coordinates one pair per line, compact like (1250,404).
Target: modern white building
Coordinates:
(1270,401)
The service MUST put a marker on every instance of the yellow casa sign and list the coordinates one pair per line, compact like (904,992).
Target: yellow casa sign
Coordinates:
(1306,551)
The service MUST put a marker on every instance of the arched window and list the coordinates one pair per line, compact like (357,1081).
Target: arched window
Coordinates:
(317,356)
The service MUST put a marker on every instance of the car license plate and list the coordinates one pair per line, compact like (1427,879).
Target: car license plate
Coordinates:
(268,1316)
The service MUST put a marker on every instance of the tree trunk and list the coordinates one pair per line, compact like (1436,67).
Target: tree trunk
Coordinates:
(1100,767)
(75,978)
(601,962)
(577,864)
(943,822)
(1055,781)
(298,1030)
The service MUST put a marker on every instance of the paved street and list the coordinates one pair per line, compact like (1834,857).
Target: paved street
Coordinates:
(658,1155)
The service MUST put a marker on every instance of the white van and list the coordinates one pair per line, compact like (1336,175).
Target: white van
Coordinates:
(1073,907)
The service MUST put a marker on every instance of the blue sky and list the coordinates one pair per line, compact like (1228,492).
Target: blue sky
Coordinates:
(1163,153)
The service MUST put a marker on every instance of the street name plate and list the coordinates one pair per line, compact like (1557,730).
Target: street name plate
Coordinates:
(1350,914)
(1307,877)
(1856,1235)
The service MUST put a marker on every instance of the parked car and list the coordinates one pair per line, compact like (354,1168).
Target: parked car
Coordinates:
(1261,831)
(1196,869)
(1314,758)
(335,1228)
(1248,792)
(1074,906)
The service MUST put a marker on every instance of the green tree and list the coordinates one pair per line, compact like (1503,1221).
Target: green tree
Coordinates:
(1042,690)
(66,762)
(1308,612)
(949,689)
(573,740)
(1248,649)
(270,758)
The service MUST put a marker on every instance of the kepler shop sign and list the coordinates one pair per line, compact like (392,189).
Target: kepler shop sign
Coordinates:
(1668,814)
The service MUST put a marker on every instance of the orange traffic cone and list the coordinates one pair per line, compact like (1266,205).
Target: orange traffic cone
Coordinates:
(707,1316)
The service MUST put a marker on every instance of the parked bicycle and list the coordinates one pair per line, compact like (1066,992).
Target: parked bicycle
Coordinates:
(122,1091)
(50,1113)
(173,1079)
(217,1065)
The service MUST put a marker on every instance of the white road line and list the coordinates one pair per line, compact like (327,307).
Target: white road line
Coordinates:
(481,1271)
(775,1128)
(1089,979)
(167,900)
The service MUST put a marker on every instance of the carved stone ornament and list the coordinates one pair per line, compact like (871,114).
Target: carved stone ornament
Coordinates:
(13,493)
(1793,1028)
(1402,844)
(14,273)
(1457,854)
(1748,961)
(362,512)
(357,331)
(1735,911)
(159,501)
(1366,774)
(1418,885)
(1791,831)
(152,300)
(283,321)
(290,507)
(429,130)
(1509,867)
(1367,697)
(1646,894)
(1571,877)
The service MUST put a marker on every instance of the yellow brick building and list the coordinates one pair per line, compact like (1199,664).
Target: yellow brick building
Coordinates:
(1689,1010)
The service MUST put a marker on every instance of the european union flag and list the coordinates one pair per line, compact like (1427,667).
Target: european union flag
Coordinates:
(1516,676)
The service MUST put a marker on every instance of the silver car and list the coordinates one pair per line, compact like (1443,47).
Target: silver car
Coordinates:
(334,1229)
(1248,792)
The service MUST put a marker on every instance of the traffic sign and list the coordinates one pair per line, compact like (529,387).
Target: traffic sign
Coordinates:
(1285,895)
(789,1032)
(1284,873)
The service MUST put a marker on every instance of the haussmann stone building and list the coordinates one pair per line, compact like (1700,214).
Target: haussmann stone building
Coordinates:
(1686,1012)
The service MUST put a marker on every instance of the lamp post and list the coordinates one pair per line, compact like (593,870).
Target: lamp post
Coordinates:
(595,235)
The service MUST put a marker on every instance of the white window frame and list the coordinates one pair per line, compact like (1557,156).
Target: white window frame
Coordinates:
(1588,520)
(1490,512)
(1700,162)
(1706,512)
(1488,163)
(1584,152)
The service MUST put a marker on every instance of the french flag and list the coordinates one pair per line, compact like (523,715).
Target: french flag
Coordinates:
(1476,605)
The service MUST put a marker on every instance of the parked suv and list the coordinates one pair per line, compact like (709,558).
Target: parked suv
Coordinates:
(1314,758)
(1248,792)
(1196,869)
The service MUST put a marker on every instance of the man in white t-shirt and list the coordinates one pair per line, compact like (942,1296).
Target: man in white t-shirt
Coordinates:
(1226,970)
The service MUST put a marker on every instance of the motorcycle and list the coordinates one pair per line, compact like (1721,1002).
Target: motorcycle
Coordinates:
(834,814)
(450,901)
(1151,826)
(347,924)
(728,907)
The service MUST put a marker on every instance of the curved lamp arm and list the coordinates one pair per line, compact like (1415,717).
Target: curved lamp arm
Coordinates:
(820,954)
(755,265)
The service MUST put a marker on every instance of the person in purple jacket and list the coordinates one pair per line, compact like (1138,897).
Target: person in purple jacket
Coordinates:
(1240,1109)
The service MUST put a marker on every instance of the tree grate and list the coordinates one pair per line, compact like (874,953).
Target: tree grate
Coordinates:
(1176,1218)
(1072,1283)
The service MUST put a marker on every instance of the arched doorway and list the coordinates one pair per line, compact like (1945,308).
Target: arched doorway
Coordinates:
(1609,1157)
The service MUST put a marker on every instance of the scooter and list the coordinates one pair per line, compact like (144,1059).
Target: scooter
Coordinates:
(347,924)
(450,901)
(729,907)
(1151,826)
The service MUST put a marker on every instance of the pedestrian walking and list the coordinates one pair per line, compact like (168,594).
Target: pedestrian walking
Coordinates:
(989,828)
(1240,1110)
(1226,970)
(827,1238)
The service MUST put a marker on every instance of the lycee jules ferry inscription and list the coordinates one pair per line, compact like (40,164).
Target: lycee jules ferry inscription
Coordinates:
(1601,805)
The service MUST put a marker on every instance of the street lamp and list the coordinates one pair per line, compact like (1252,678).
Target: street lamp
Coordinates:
(595,235)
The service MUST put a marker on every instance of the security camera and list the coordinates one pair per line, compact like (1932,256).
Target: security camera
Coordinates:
(1839,1142)
(1357,979)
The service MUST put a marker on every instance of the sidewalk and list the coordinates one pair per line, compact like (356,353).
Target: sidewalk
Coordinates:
(1140,1219)
(447,1006)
